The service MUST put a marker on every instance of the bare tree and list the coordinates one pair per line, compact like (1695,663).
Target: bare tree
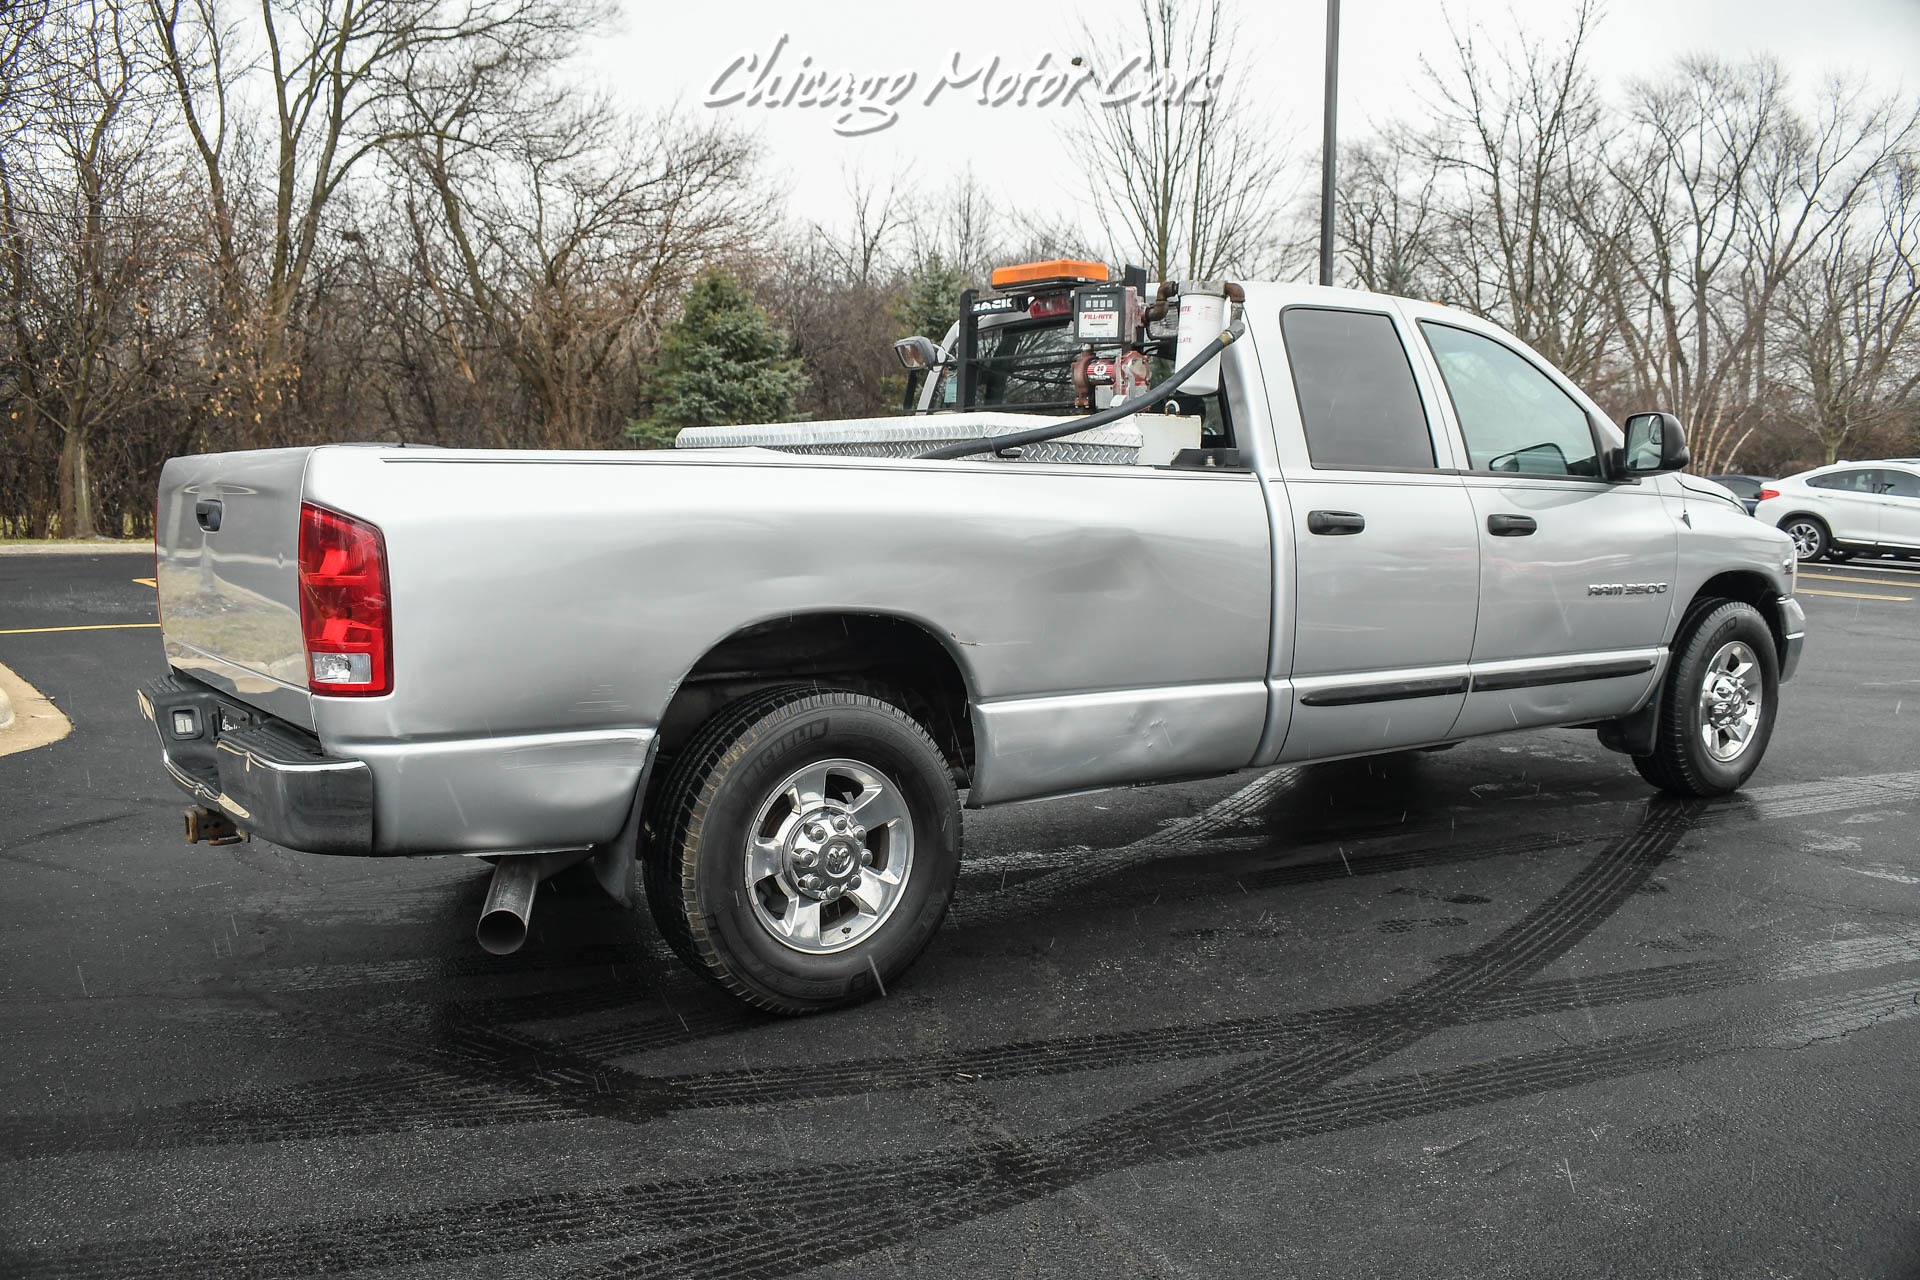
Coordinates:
(961,224)
(1523,229)
(1847,322)
(836,286)
(334,73)
(1190,183)
(1388,214)
(1733,191)
(88,210)
(556,235)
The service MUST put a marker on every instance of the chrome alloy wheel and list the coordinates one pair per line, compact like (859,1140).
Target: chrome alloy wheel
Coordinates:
(828,856)
(1730,694)
(1807,541)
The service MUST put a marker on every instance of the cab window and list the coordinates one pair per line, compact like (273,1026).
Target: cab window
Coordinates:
(1027,367)
(1358,401)
(1515,419)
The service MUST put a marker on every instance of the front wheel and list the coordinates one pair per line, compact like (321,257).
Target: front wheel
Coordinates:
(1717,713)
(805,848)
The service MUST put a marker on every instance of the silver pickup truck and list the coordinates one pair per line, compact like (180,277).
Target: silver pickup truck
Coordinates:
(760,682)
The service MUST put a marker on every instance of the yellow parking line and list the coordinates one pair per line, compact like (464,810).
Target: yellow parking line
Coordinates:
(1805,591)
(1871,582)
(105,626)
(148,582)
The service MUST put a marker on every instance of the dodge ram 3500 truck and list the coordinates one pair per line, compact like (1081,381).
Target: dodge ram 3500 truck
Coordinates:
(757,681)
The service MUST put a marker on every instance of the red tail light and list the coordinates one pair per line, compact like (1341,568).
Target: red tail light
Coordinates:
(1769,493)
(343,605)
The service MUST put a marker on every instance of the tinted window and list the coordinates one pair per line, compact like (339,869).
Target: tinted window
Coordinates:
(1741,486)
(1356,392)
(1513,416)
(1848,481)
(1900,484)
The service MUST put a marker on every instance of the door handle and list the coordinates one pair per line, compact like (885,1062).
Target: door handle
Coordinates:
(208,512)
(1505,526)
(1335,522)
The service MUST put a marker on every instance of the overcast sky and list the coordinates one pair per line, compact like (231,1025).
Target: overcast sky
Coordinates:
(680,52)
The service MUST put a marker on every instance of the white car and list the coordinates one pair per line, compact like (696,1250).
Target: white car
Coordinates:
(1849,507)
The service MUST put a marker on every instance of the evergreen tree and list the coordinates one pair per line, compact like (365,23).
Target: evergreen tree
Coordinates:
(722,362)
(930,299)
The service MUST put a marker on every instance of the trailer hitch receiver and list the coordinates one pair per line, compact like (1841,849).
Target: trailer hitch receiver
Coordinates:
(210,826)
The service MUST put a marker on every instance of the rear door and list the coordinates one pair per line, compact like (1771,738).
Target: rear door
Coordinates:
(1576,571)
(1385,558)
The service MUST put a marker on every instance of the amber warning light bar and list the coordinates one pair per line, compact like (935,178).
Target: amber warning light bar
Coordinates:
(1066,269)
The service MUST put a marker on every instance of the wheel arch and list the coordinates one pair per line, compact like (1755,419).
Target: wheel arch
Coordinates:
(888,655)
(1748,587)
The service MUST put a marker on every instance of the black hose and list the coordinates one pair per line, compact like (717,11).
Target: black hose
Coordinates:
(1125,409)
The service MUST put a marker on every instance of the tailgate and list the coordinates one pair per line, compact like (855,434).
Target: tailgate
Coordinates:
(227,535)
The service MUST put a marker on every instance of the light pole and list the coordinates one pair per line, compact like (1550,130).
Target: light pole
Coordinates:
(1327,142)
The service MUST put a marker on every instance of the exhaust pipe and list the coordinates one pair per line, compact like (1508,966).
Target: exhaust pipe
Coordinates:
(503,919)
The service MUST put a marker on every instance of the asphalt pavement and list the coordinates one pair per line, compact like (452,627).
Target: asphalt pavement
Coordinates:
(1496,1011)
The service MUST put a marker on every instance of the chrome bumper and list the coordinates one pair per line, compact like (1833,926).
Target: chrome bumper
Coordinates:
(270,778)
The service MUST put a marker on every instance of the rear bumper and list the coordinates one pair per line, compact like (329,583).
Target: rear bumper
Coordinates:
(271,779)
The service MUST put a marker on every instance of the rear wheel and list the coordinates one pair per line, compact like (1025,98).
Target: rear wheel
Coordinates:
(804,848)
(1809,534)
(1717,713)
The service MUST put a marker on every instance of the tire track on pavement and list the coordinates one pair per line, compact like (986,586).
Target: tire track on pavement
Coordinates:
(418,1098)
(946,1188)
(1293,1067)
(661,1212)
(483,1066)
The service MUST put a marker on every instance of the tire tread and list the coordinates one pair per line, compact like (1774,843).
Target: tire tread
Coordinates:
(1671,766)
(671,867)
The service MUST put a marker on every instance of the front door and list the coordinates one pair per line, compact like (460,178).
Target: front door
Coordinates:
(1576,572)
(1899,508)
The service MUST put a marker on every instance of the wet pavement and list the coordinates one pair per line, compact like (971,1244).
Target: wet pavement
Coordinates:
(1494,1011)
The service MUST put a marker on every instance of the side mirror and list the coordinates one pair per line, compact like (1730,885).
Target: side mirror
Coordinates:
(1655,442)
(919,353)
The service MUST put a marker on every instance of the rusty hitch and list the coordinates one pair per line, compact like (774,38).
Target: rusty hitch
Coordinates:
(210,826)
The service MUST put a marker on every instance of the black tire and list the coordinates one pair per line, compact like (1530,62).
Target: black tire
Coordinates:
(726,924)
(1811,537)
(1687,758)
(1840,555)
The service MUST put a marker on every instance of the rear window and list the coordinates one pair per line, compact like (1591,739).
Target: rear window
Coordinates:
(1846,481)
(1358,401)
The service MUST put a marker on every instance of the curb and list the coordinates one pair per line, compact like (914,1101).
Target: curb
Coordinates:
(27,718)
